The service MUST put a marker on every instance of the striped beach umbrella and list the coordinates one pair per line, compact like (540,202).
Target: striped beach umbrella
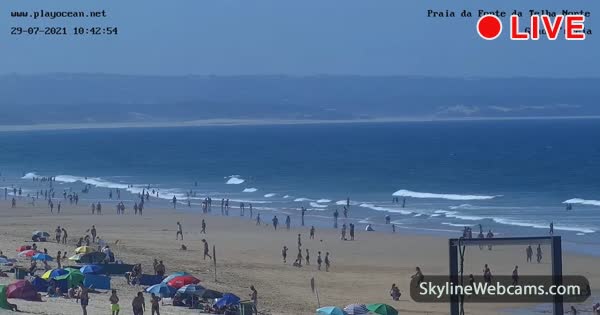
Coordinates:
(356,309)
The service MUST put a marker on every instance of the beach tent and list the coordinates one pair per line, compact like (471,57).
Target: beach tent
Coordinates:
(382,309)
(73,278)
(27,253)
(181,281)
(90,269)
(40,284)
(40,234)
(42,257)
(161,289)
(149,279)
(84,250)
(227,300)
(190,289)
(330,310)
(22,289)
(356,309)
(174,275)
(96,282)
(54,273)
(208,294)
(3,301)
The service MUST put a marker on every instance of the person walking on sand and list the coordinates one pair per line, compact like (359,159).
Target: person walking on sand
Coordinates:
(138,304)
(206,250)
(254,299)
(319,260)
(299,240)
(298,261)
(312,232)
(343,234)
(327,262)
(515,276)
(288,222)
(203,230)
(84,298)
(275,222)
(179,231)
(539,253)
(284,251)
(307,257)
(155,305)
(174,202)
(114,302)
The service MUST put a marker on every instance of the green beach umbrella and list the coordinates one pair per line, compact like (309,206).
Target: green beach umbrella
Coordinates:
(382,309)
(74,277)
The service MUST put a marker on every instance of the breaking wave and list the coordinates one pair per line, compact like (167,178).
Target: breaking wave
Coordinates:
(234,180)
(416,194)
(583,202)
(316,205)
(249,190)
(377,208)
(270,195)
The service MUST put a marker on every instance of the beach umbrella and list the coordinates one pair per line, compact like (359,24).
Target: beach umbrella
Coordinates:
(174,275)
(180,281)
(92,258)
(382,309)
(21,289)
(75,257)
(161,289)
(190,289)
(90,269)
(356,309)
(42,257)
(330,310)
(40,234)
(54,273)
(84,250)
(227,300)
(27,253)
(208,294)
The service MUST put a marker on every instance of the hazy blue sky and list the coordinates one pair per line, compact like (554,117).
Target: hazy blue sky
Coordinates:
(300,37)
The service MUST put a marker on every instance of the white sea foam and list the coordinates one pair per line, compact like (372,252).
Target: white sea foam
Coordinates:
(455,224)
(270,195)
(323,200)
(234,180)
(249,190)
(416,194)
(435,215)
(344,202)
(250,201)
(30,176)
(303,199)
(583,201)
(286,196)
(316,205)
(94,181)
(538,225)
(378,208)
(418,215)
(455,214)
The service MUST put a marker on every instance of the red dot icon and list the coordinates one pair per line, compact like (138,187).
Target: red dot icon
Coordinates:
(489,27)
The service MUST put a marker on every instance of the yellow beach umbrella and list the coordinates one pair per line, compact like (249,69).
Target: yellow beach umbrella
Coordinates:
(84,250)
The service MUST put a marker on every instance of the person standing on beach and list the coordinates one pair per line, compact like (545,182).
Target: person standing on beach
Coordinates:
(179,231)
(490,235)
(515,276)
(299,240)
(336,214)
(551,228)
(539,253)
(352,231)
(529,253)
(64,236)
(58,232)
(114,302)
(307,257)
(312,232)
(254,298)
(84,298)
(138,304)
(222,206)
(203,230)
(319,260)
(284,253)
(174,202)
(258,218)
(303,211)
(99,208)
(250,206)
(155,305)
(58,259)
(135,208)
(393,228)
(275,222)
(93,231)
(58,208)
(13,203)
(343,234)
(206,250)
(242,209)
(288,222)
(327,262)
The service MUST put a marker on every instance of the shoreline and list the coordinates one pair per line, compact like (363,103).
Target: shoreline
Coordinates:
(267,122)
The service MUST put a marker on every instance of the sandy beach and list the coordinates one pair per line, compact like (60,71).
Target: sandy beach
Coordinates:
(362,270)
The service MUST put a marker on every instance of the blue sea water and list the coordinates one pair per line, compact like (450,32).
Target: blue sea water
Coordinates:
(510,176)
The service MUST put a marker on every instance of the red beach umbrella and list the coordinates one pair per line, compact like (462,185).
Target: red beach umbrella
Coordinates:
(181,281)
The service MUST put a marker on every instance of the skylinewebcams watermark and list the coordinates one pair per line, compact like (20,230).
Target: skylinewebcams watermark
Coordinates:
(532,289)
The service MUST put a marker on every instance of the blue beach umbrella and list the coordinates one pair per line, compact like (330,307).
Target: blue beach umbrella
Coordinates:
(330,310)
(174,275)
(227,299)
(161,289)
(90,269)
(42,257)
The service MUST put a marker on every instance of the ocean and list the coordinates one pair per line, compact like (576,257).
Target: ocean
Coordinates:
(513,177)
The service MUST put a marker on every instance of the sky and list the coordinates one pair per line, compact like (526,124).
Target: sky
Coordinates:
(300,37)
